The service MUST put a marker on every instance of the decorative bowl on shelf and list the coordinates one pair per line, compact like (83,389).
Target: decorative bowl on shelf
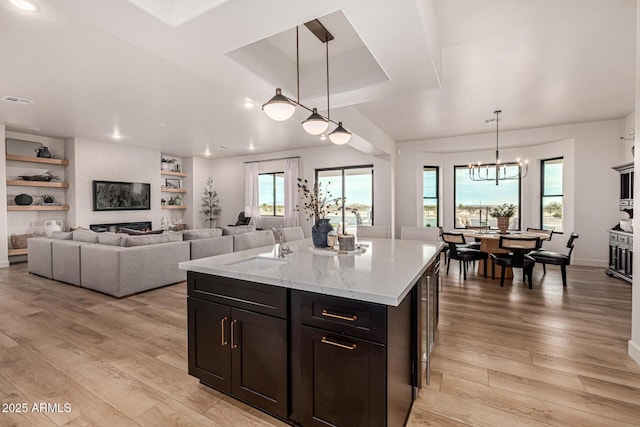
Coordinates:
(47,176)
(23,200)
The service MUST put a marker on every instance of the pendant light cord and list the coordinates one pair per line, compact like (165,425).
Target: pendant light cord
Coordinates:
(327,51)
(298,65)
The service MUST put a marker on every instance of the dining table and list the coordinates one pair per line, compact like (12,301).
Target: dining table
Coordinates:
(490,244)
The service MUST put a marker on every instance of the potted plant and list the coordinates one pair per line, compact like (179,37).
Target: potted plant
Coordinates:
(503,213)
(317,206)
(210,204)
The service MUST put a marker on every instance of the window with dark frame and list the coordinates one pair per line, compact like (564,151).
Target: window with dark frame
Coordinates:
(551,194)
(430,196)
(355,184)
(271,193)
(473,200)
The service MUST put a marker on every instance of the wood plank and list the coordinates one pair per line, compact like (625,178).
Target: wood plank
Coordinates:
(173,207)
(49,184)
(16,252)
(171,173)
(173,190)
(30,159)
(37,208)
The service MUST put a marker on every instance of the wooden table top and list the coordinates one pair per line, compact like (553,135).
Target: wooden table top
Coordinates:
(495,235)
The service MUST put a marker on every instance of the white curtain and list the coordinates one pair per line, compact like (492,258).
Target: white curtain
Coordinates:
(290,192)
(251,191)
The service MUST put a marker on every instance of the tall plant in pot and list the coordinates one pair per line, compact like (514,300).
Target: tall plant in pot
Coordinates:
(503,214)
(210,208)
(317,204)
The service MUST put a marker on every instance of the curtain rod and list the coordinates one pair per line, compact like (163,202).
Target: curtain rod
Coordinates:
(272,160)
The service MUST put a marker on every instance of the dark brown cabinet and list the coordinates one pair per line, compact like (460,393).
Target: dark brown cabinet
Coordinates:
(237,351)
(621,255)
(357,360)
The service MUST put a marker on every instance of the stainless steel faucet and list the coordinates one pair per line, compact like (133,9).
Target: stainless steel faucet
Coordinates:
(282,249)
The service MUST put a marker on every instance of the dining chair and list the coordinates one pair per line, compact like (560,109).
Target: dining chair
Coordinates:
(254,239)
(549,257)
(373,231)
(476,244)
(455,242)
(429,234)
(518,257)
(289,234)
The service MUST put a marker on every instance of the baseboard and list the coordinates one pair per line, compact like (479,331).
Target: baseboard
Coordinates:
(4,263)
(634,351)
(590,262)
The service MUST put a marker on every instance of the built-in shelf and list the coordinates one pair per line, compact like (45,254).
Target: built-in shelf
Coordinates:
(15,252)
(173,207)
(37,208)
(37,160)
(182,174)
(23,183)
(173,190)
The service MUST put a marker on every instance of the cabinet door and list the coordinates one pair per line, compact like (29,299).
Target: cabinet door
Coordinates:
(260,360)
(613,255)
(343,380)
(209,343)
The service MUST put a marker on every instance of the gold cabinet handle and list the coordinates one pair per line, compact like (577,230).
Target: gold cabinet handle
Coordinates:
(348,347)
(222,339)
(337,316)
(233,340)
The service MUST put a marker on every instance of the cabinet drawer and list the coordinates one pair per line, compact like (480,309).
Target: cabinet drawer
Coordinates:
(256,297)
(622,239)
(340,315)
(613,238)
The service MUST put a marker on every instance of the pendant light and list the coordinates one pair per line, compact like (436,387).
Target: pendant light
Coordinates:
(478,172)
(281,108)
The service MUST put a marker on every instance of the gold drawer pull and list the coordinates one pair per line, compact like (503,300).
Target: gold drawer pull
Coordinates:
(337,316)
(222,339)
(233,341)
(348,347)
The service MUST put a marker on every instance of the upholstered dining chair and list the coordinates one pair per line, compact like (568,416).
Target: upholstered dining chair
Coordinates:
(517,257)
(549,257)
(373,231)
(476,245)
(456,242)
(428,234)
(254,239)
(290,234)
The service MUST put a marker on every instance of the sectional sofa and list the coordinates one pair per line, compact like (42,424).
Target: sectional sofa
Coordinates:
(121,265)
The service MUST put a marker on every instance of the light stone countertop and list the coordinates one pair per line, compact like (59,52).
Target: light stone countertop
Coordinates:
(383,274)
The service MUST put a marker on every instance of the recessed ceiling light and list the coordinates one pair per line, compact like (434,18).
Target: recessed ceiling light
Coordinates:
(207,152)
(25,5)
(248,104)
(251,147)
(323,137)
(116,135)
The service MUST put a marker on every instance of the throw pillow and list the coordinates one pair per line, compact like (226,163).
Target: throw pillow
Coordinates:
(204,233)
(62,235)
(111,239)
(85,236)
(132,232)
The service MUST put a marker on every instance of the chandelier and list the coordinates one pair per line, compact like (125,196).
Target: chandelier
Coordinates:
(502,171)
(281,107)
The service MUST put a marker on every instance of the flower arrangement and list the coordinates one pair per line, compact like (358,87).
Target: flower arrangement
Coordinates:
(314,203)
(504,210)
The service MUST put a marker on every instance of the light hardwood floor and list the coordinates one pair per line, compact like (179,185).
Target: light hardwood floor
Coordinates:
(503,357)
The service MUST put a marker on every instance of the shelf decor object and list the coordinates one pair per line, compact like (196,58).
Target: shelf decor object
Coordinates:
(281,107)
(23,199)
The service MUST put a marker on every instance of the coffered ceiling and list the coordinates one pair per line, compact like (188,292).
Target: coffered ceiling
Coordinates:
(401,70)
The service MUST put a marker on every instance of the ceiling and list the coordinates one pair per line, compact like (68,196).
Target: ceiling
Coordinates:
(401,70)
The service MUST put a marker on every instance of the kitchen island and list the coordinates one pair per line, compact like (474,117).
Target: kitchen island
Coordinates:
(316,338)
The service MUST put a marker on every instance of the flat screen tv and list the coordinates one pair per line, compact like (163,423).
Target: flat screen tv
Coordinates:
(121,196)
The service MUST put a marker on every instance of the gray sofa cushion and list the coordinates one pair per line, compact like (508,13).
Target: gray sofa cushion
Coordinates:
(65,261)
(201,248)
(204,233)
(240,229)
(62,235)
(112,239)
(130,241)
(39,258)
(252,240)
(85,236)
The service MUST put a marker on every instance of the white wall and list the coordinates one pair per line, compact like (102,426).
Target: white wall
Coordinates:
(4,236)
(591,186)
(228,175)
(198,170)
(634,342)
(91,160)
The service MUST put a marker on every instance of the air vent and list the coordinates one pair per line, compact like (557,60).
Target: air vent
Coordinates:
(16,100)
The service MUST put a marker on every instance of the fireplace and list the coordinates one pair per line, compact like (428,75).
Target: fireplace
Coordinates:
(115,227)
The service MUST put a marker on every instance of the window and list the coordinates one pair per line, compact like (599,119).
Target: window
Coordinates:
(430,202)
(271,193)
(551,197)
(355,183)
(474,199)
